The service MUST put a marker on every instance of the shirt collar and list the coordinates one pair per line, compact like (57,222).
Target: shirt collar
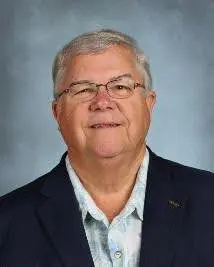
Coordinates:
(135,202)
(86,203)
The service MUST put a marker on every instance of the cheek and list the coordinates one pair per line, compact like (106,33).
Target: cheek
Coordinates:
(139,119)
(66,117)
(72,121)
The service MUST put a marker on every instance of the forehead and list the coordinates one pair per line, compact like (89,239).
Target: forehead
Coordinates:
(112,62)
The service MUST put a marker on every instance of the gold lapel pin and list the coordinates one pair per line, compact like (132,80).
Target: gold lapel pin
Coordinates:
(174,203)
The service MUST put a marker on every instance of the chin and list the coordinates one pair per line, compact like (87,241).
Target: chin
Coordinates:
(107,151)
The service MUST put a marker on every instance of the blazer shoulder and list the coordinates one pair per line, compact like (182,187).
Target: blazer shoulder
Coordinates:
(29,193)
(22,196)
(187,169)
(191,177)
(26,195)
(22,203)
(16,204)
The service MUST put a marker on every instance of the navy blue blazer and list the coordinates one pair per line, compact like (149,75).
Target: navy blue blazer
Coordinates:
(41,225)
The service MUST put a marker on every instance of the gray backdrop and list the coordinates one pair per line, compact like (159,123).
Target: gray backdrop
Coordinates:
(177,35)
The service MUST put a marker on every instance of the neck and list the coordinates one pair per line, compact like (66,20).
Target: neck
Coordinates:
(109,181)
(108,175)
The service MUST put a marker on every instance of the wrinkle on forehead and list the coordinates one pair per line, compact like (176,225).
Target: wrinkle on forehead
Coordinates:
(68,59)
(117,62)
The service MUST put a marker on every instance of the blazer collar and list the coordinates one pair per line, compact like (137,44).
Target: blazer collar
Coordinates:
(61,219)
(163,212)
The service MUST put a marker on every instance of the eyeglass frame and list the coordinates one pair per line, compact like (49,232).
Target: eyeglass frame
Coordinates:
(67,90)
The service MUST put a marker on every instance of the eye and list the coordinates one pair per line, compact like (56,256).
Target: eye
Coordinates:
(120,87)
(85,91)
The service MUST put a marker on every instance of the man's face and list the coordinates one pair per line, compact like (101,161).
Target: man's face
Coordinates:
(133,114)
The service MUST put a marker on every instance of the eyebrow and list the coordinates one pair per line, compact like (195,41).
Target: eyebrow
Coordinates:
(111,79)
(121,76)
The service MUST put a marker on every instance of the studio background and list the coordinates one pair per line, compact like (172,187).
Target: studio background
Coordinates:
(178,37)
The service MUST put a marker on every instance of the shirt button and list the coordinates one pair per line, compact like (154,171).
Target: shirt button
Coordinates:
(117,254)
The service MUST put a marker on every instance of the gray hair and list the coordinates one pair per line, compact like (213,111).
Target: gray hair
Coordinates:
(94,43)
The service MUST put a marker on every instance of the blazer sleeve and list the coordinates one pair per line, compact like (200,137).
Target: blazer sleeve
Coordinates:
(5,219)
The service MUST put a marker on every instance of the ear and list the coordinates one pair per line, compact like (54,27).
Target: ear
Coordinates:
(150,100)
(55,109)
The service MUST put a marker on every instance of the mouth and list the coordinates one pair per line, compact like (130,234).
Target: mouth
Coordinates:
(105,125)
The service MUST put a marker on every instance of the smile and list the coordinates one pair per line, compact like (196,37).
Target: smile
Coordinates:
(104,125)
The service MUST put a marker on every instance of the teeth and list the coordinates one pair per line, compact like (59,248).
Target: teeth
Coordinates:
(104,125)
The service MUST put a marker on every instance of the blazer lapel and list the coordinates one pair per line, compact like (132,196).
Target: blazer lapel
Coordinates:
(61,220)
(163,212)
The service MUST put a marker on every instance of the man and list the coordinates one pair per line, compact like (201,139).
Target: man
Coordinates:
(110,201)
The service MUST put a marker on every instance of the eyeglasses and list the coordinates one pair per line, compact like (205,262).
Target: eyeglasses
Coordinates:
(85,91)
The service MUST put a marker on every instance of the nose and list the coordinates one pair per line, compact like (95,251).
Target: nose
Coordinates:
(102,100)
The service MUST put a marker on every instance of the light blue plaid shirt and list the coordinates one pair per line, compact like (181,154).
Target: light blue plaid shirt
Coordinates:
(116,244)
